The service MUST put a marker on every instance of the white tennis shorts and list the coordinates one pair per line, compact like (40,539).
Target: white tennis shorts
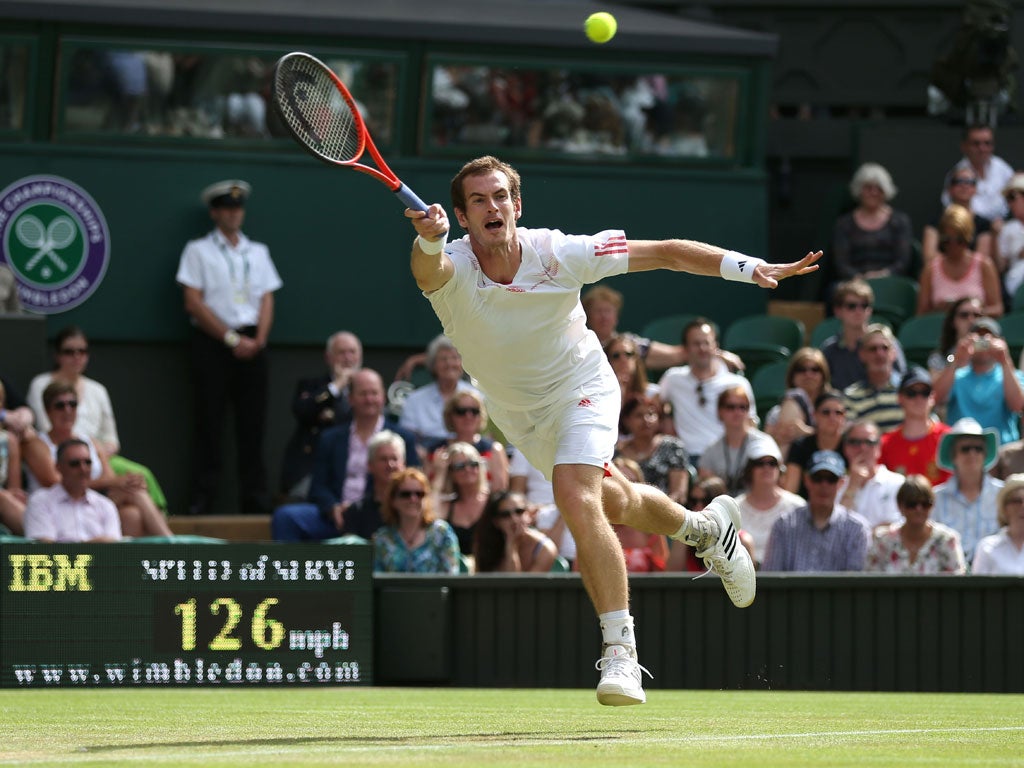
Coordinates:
(580,429)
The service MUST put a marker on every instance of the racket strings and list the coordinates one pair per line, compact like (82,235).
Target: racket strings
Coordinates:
(312,105)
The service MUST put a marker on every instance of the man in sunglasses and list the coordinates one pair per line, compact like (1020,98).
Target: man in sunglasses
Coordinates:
(822,535)
(869,488)
(967,502)
(852,304)
(71,511)
(982,383)
(978,144)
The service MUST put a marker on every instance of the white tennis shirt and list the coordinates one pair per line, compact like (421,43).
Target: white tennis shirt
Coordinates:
(527,343)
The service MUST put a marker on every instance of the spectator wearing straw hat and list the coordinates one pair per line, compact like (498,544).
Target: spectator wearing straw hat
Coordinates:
(967,501)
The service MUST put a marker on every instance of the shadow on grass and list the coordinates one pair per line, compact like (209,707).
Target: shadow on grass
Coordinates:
(503,736)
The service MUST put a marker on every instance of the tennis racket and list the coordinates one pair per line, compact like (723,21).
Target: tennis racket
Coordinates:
(322,116)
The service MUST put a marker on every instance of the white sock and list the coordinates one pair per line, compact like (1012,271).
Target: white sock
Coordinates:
(617,628)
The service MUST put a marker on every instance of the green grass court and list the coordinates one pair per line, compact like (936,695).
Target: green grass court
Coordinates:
(463,728)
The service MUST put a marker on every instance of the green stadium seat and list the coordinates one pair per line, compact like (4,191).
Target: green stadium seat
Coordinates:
(769,385)
(1013,332)
(763,339)
(668,329)
(895,298)
(830,326)
(919,336)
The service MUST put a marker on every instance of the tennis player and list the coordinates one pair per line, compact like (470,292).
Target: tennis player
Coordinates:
(509,298)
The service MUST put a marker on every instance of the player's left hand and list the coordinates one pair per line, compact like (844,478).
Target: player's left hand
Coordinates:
(769,275)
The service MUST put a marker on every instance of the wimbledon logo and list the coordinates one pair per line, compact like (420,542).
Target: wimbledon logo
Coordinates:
(55,240)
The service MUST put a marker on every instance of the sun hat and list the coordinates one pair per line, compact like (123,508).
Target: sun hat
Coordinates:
(968,427)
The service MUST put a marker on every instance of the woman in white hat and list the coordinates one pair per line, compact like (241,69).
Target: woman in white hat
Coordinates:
(765,500)
(967,501)
(1003,552)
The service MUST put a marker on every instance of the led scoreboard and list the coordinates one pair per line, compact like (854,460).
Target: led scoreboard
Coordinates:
(185,614)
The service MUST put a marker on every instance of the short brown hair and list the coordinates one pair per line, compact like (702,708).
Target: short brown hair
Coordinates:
(54,390)
(856,289)
(481,165)
(915,489)
(601,293)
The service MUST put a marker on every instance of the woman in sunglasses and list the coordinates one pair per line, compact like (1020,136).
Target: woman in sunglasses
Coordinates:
(807,376)
(958,321)
(959,271)
(765,501)
(412,540)
(461,490)
(95,412)
(465,416)
(961,185)
(917,544)
(139,515)
(1003,552)
(505,542)
(624,355)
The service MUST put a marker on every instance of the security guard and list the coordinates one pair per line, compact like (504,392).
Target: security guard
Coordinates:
(229,283)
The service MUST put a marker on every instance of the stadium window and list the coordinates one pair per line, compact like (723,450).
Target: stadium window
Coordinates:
(112,89)
(15,76)
(575,111)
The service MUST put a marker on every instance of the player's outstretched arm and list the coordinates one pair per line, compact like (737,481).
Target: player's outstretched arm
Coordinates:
(430,264)
(702,259)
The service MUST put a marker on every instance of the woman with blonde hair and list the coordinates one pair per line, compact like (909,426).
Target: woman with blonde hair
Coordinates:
(807,377)
(461,491)
(1003,552)
(465,416)
(412,540)
(872,240)
(958,272)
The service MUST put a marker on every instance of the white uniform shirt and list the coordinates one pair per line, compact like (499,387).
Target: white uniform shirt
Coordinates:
(997,554)
(94,415)
(233,279)
(698,426)
(526,343)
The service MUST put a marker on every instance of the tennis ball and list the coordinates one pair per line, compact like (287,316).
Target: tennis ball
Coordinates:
(600,27)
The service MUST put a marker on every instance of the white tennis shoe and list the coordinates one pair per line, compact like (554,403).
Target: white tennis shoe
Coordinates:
(620,683)
(725,555)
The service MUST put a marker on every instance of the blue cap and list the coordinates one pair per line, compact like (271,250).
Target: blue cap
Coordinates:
(827,461)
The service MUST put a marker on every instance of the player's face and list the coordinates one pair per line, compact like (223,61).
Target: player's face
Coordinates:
(491,213)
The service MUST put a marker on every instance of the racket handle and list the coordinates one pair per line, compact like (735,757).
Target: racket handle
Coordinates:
(411,199)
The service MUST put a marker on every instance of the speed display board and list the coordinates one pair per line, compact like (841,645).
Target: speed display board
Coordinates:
(180,614)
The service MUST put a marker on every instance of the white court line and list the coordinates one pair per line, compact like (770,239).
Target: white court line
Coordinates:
(126,753)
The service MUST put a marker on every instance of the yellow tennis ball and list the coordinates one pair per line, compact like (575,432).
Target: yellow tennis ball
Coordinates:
(600,27)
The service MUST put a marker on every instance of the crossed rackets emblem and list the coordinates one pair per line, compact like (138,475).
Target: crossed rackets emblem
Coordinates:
(46,241)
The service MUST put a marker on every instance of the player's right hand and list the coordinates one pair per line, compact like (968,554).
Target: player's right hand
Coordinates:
(431,225)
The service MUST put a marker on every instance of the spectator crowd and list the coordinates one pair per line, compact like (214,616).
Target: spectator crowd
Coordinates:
(868,461)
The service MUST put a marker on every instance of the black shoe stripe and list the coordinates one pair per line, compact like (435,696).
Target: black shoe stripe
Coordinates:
(730,541)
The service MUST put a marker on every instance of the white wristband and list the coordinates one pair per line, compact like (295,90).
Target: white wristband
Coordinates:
(736,266)
(432,247)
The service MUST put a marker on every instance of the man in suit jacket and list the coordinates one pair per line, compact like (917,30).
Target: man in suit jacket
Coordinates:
(319,402)
(341,465)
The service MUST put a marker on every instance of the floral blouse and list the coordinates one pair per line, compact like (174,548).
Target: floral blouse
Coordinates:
(942,552)
(439,552)
(669,455)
